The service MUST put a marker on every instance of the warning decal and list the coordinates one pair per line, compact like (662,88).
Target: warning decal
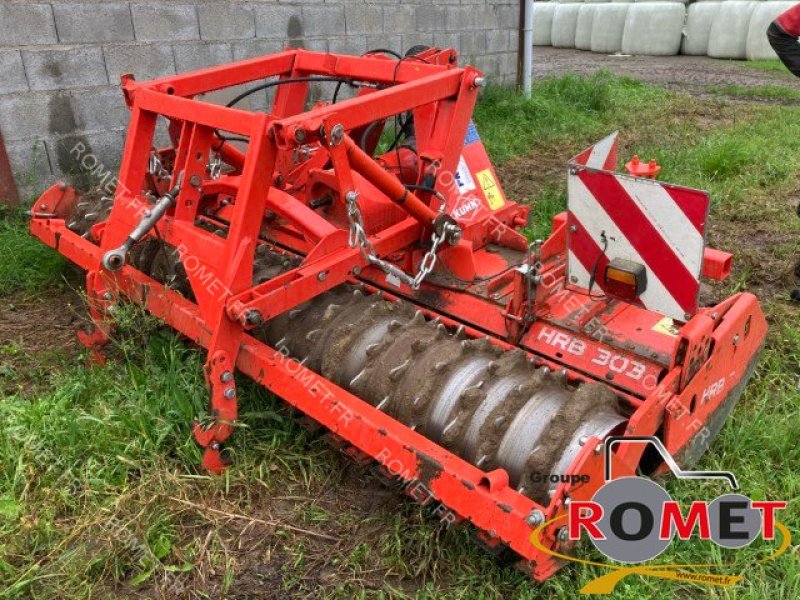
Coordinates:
(463,177)
(667,327)
(492,193)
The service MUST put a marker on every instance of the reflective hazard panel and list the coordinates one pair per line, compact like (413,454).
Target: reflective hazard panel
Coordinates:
(658,225)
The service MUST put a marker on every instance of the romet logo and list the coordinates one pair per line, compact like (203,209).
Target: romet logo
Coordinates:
(633,520)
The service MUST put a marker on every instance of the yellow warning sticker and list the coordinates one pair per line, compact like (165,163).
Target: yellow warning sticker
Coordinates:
(666,326)
(491,192)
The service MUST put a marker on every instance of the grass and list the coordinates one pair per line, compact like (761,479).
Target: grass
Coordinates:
(26,265)
(100,495)
(766,92)
(772,66)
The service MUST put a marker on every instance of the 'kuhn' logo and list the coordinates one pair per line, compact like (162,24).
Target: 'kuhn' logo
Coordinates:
(465,207)
(633,520)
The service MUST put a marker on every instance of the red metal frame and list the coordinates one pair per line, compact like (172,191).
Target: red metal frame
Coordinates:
(664,376)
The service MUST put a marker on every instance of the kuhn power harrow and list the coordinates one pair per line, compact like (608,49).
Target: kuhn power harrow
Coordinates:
(390,296)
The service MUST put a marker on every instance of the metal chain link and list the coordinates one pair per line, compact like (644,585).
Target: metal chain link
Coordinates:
(358,237)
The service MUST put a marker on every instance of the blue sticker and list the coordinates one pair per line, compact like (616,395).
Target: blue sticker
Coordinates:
(472,135)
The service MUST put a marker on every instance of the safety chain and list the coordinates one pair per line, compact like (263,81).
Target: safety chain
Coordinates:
(358,237)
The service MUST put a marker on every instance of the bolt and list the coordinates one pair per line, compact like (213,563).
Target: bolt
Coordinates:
(226,377)
(356,270)
(582,441)
(107,296)
(736,340)
(230,393)
(479,82)
(337,134)
(322,275)
(253,318)
(195,180)
(351,196)
(535,519)
(300,135)
(562,535)
(573,228)
(573,279)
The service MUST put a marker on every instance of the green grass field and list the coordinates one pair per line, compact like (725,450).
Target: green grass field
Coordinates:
(100,494)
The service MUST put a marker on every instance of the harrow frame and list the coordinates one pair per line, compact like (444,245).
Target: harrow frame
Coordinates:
(717,344)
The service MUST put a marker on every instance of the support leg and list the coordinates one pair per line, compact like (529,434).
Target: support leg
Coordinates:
(223,409)
(100,297)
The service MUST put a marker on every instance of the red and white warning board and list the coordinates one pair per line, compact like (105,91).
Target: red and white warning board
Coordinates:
(658,225)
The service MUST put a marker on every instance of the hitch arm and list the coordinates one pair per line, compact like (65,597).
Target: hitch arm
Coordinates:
(443,225)
(115,259)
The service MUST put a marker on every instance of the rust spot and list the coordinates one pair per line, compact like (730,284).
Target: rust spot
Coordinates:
(382,431)
(428,468)
(468,484)
(504,507)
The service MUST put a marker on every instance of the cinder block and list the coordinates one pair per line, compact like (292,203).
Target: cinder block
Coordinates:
(165,22)
(226,21)
(98,110)
(12,74)
(24,115)
(490,65)
(278,21)
(316,45)
(400,19)
(253,48)
(323,20)
(496,41)
(507,17)
(64,68)
(351,44)
(390,42)
(189,57)
(363,19)
(144,61)
(507,66)
(430,18)
(86,159)
(31,168)
(417,38)
(461,18)
(81,23)
(446,40)
(27,24)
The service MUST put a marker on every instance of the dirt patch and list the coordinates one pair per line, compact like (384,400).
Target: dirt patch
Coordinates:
(34,331)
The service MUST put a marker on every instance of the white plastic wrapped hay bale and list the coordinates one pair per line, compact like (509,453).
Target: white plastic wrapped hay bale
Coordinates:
(583,27)
(757,47)
(608,26)
(543,23)
(565,21)
(699,20)
(653,28)
(728,37)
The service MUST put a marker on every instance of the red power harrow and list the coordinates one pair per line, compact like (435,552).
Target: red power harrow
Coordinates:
(359,259)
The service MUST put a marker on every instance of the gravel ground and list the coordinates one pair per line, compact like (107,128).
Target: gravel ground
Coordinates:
(692,74)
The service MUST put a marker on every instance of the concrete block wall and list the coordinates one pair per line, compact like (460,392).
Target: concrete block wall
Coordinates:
(60,61)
